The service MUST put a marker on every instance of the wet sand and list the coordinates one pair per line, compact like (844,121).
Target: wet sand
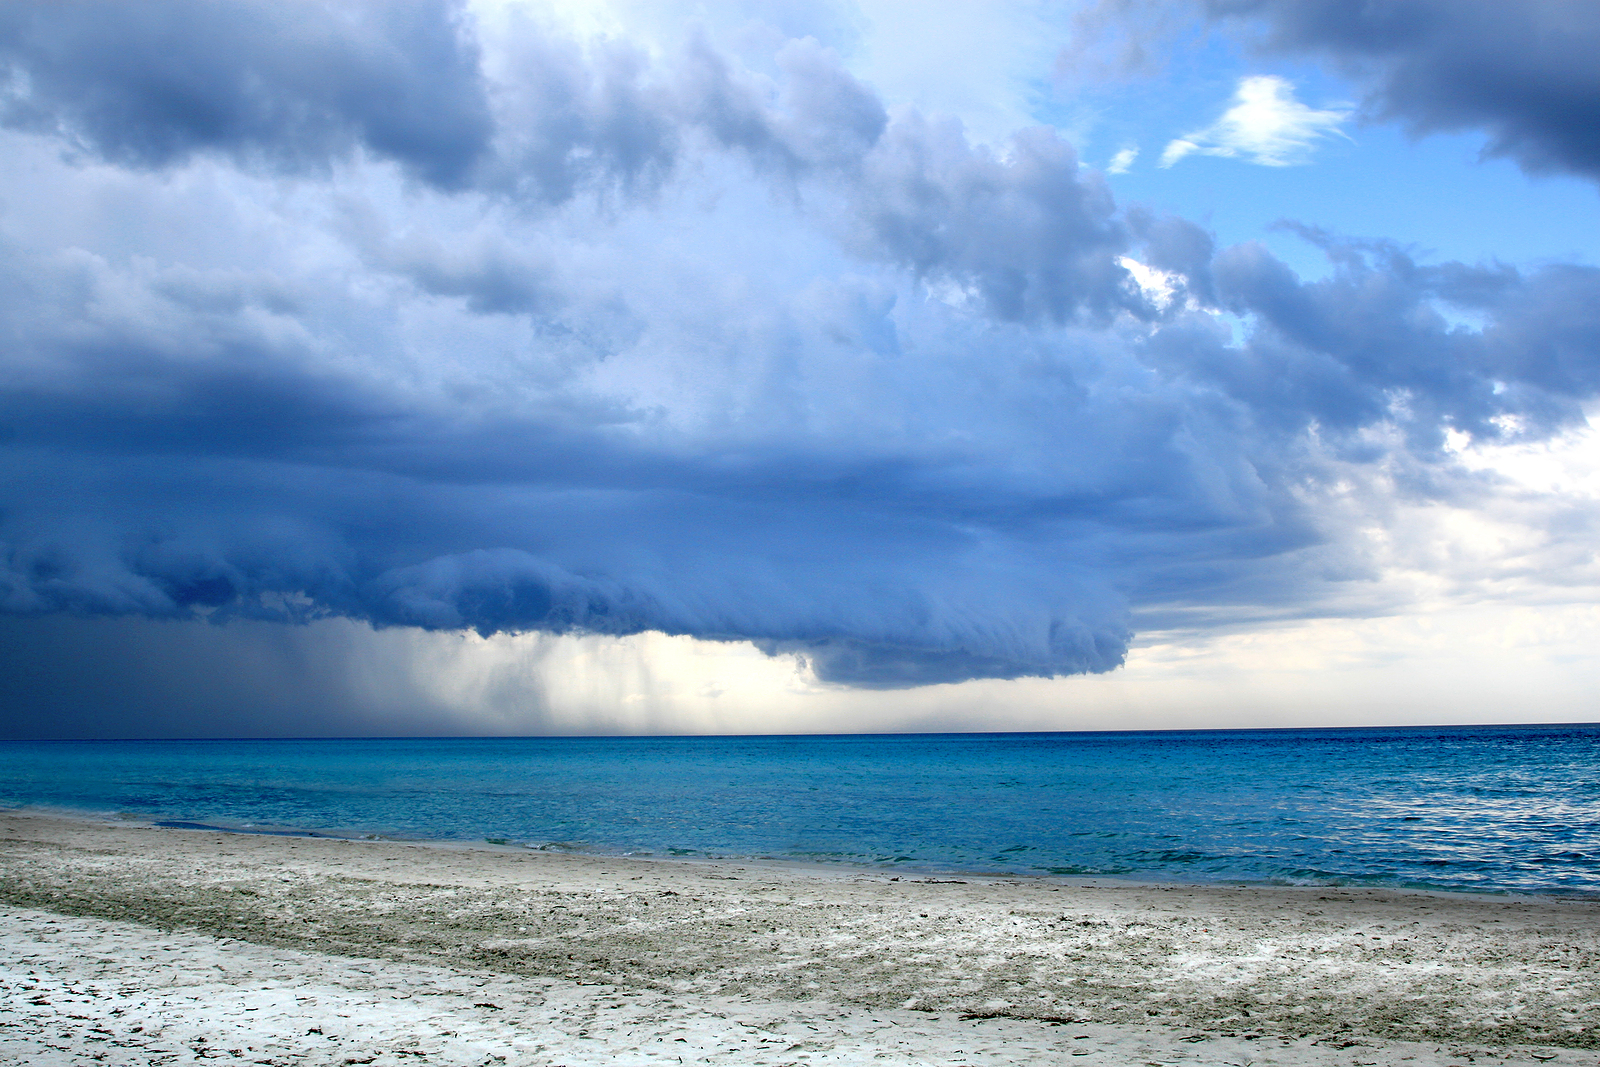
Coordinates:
(133,944)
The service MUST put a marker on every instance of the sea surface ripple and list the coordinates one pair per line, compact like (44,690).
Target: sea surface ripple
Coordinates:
(1481,809)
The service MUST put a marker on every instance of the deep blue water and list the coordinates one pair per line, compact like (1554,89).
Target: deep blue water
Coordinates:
(1495,809)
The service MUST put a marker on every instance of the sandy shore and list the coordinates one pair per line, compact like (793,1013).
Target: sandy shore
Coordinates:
(132,944)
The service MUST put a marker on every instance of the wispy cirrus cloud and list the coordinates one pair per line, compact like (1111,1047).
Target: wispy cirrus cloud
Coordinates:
(1265,125)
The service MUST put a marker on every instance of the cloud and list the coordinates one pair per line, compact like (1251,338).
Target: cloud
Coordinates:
(670,342)
(1265,125)
(1122,160)
(213,456)
(152,85)
(1522,71)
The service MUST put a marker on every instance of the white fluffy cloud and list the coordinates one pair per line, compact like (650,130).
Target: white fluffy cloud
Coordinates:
(1265,124)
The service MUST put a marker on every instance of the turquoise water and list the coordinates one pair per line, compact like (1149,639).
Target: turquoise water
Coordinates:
(1489,809)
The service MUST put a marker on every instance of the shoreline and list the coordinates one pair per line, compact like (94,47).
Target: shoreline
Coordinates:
(1300,969)
(820,868)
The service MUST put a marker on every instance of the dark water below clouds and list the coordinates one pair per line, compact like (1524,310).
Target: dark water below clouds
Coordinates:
(1495,809)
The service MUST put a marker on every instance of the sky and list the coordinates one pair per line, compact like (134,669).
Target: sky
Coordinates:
(731,366)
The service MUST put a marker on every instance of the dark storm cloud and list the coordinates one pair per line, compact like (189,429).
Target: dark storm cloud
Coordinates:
(570,118)
(214,468)
(1373,342)
(293,87)
(672,346)
(1523,71)
(1032,234)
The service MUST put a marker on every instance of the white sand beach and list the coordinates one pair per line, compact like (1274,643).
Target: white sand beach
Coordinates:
(129,944)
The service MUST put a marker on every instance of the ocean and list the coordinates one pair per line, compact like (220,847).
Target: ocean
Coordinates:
(1486,809)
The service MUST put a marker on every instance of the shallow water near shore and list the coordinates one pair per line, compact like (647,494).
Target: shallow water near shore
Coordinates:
(1481,809)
